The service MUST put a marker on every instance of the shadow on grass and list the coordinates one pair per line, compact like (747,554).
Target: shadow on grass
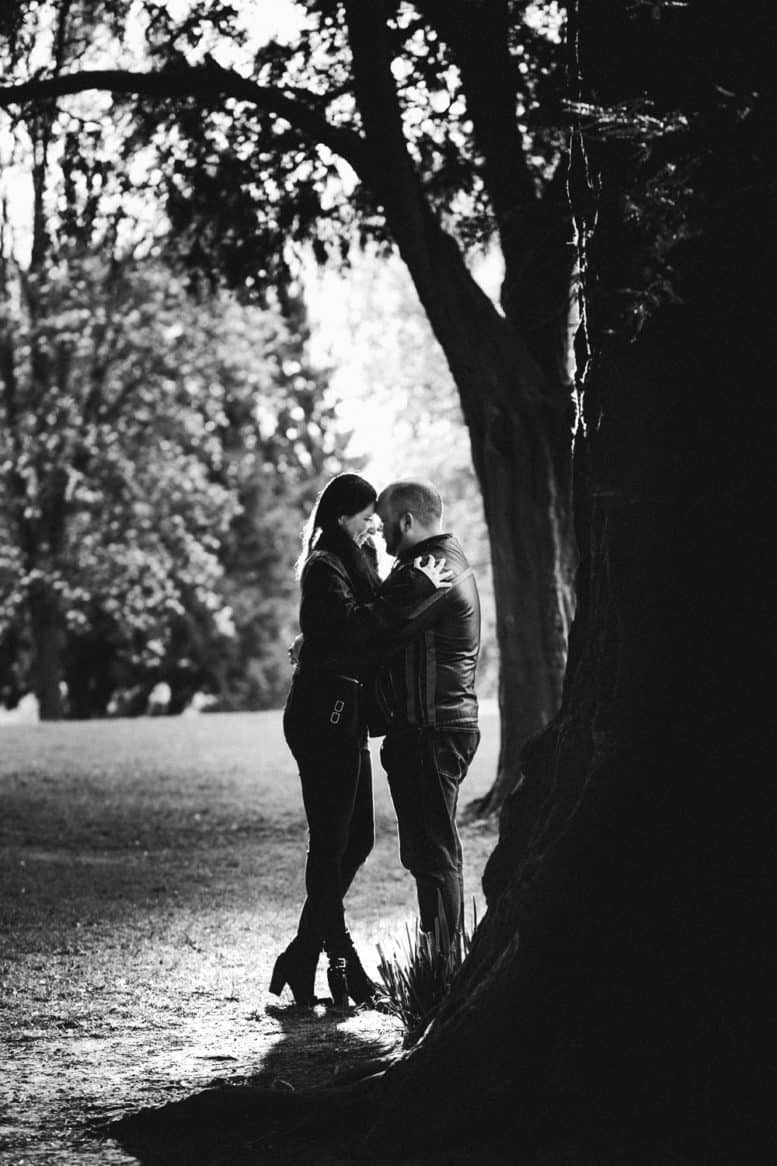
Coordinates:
(312,1102)
(327,1046)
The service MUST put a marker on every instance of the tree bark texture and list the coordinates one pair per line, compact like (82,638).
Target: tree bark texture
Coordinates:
(616,1004)
(519,436)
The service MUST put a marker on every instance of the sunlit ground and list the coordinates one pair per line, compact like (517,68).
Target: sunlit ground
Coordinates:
(151,870)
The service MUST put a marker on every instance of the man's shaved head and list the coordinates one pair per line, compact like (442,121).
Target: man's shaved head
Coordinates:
(411,511)
(419,498)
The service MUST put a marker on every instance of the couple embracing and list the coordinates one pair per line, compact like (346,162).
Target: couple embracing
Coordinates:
(400,651)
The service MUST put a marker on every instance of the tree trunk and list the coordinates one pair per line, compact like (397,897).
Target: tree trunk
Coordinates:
(520,425)
(46,627)
(520,421)
(89,661)
(532,556)
(43,542)
(613,1006)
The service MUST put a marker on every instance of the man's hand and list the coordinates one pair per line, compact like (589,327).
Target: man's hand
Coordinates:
(435,571)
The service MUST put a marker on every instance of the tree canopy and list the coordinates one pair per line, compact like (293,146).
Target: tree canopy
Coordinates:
(140,424)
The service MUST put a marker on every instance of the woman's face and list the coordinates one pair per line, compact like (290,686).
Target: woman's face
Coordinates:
(360,525)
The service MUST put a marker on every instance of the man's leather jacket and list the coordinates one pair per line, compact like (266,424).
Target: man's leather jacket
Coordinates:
(430,680)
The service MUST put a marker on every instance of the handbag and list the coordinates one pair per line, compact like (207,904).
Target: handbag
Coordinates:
(335,706)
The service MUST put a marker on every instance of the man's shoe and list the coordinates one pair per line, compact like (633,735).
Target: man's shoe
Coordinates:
(361,988)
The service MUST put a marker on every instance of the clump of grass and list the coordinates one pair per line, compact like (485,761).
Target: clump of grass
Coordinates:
(417,977)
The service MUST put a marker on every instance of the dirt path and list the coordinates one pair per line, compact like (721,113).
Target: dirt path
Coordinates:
(151,871)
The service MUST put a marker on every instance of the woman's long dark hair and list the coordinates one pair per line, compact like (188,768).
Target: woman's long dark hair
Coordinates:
(343,496)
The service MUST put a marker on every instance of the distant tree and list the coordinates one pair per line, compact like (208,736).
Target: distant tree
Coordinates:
(106,484)
(122,463)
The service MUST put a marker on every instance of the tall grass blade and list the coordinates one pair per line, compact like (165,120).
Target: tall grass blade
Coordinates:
(417,976)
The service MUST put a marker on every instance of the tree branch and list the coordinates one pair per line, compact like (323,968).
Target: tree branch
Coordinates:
(479,45)
(445,286)
(60,40)
(209,80)
(395,182)
(535,232)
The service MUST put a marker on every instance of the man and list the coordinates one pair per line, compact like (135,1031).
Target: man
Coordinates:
(428,686)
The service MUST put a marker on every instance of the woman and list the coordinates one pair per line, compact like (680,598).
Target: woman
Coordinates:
(343,619)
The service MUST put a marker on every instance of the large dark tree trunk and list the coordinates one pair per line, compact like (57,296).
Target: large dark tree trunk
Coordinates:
(618,1001)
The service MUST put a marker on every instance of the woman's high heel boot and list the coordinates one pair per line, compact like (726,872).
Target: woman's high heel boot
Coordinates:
(296,966)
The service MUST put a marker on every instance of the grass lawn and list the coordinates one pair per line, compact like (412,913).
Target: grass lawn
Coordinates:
(151,870)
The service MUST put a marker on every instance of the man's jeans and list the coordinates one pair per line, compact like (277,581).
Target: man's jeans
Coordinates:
(425,767)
